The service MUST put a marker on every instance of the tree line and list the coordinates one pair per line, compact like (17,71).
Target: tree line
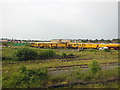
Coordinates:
(99,41)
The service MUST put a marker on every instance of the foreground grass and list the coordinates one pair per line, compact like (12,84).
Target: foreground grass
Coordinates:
(81,76)
(107,85)
(18,79)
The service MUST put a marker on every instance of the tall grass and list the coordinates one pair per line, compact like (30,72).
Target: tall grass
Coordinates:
(26,78)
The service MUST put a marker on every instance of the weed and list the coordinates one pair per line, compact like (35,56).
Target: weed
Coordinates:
(94,67)
(106,50)
(63,54)
(26,78)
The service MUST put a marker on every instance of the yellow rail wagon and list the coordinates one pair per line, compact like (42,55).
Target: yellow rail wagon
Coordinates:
(103,45)
(110,46)
(44,45)
(40,45)
(47,45)
(114,46)
(62,45)
(35,44)
(54,45)
(74,45)
(90,45)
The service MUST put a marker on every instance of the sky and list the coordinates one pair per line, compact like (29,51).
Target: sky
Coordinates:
(59,19)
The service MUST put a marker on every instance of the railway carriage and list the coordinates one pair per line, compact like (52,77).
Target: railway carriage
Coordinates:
(114,46)
(75,45)
(90,45)
(34,45)
(62,45)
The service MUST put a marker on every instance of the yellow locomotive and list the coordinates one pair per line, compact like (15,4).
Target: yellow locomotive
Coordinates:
(75,45)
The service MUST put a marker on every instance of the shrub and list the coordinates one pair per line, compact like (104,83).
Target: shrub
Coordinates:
(7,53)
(27,44)
(106,50)
(25,54)
(94,67)
(93,50)
(63,54)
(71,54)
(25,78)
(47,53)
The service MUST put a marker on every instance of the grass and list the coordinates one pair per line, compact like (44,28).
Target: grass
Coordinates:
(25,78)
(84,57)
(50,63)
(108,85)
(83,77)
(101,57)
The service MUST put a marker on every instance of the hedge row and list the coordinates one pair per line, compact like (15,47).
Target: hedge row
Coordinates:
(25,54)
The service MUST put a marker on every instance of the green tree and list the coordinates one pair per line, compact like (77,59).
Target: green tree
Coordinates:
(24,54)
(96,40)
(102,40)
(108,41)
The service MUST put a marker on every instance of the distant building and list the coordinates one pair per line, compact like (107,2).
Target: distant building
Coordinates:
(79,40)
(56,40)
(61,40)
(4,40)
(65,40)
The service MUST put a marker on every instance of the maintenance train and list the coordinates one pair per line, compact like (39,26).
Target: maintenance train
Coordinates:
(76,45)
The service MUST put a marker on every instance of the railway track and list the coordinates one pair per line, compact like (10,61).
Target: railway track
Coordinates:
(69,69)
(45,58)
(82,83)
(81,66)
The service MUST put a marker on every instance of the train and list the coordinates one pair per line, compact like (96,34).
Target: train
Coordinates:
(75,45)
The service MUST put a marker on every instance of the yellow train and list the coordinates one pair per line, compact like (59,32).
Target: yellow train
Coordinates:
(75,45)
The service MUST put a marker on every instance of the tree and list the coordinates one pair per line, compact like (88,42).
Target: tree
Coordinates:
(25,54)
(102,40)
(96,40)
(108,41)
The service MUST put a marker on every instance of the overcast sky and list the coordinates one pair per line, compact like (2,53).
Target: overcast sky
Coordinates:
(59,19)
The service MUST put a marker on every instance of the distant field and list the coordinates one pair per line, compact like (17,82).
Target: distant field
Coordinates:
(58,68)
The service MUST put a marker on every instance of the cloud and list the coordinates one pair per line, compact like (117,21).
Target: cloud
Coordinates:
(59,19)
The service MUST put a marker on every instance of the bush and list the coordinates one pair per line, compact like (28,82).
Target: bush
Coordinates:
(92,50)
(7,53)
(25,78)
(94,67)
(27,45)
(25,54)
(71,54)
(47,53)
(106,50)
(63,54)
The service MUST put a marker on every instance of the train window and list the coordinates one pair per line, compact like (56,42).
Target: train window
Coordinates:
(75,44)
